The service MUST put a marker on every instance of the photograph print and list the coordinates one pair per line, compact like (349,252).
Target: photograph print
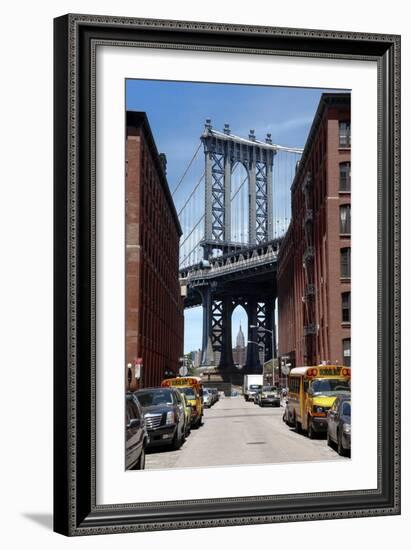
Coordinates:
(237,275)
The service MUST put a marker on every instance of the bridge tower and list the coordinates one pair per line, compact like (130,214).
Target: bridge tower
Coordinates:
(223,151)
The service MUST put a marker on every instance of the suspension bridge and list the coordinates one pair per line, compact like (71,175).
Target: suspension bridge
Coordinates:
(233,203)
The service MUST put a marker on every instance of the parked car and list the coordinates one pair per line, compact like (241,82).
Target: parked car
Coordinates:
(192,388)
(339,425)
(188,413)
(214,395)
(269,395)
(164,416)
(136,435)
(256,395)
(207,398)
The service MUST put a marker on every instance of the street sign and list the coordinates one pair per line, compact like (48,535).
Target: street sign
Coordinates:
(183,371)
(285,369)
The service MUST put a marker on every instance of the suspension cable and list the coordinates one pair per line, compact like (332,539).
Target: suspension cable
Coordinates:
(190,195)
(196,225)
(186,170)
(189,254)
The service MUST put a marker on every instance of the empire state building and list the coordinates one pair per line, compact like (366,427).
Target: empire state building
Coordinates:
(239,352)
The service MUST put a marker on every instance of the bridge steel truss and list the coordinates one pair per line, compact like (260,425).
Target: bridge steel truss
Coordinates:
(222,152)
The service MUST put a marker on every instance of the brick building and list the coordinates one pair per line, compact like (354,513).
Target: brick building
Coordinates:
(314,265)
(154,306)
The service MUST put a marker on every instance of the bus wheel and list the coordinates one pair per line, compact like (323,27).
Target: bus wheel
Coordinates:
(310,431)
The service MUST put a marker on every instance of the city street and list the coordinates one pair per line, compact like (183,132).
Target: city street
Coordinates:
(239,432)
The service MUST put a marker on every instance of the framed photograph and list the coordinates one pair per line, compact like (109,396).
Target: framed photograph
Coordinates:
(227,275)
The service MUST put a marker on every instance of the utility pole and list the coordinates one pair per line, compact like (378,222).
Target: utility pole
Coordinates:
(273,353)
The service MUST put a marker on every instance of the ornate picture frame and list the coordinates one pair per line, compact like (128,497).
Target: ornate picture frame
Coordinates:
(76,40)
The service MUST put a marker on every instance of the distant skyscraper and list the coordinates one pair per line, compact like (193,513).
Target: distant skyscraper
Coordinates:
(239,352)
(240,338)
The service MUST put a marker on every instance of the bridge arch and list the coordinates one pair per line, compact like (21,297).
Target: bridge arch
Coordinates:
(240,198)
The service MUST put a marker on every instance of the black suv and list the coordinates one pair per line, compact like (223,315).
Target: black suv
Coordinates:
(136,435)
(164,416)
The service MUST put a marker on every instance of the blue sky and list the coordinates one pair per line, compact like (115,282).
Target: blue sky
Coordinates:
(177,111)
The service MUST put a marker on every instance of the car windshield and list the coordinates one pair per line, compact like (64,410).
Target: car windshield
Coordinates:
(269,388)
(254,387)
(329,386)
(346,408)
(160,397)
(188,392)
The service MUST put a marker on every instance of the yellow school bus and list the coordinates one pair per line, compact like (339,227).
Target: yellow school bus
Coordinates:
(192,387)
(311,393)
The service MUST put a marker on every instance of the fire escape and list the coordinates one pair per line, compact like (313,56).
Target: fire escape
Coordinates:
(310,327)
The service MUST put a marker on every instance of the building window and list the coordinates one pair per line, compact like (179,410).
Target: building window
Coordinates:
(346,307)
(345,219)
(346,352)
(345,257)
(345,133)
(345,176)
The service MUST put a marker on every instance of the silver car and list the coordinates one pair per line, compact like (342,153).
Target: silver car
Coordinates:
(207,400)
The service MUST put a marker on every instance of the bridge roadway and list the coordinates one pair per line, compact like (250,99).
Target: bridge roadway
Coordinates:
(247,268)
(238,432)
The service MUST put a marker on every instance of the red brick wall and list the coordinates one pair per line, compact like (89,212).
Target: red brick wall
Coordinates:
(322,159)
(154,306)
(335,242)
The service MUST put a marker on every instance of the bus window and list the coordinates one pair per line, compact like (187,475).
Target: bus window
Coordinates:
(329,386)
